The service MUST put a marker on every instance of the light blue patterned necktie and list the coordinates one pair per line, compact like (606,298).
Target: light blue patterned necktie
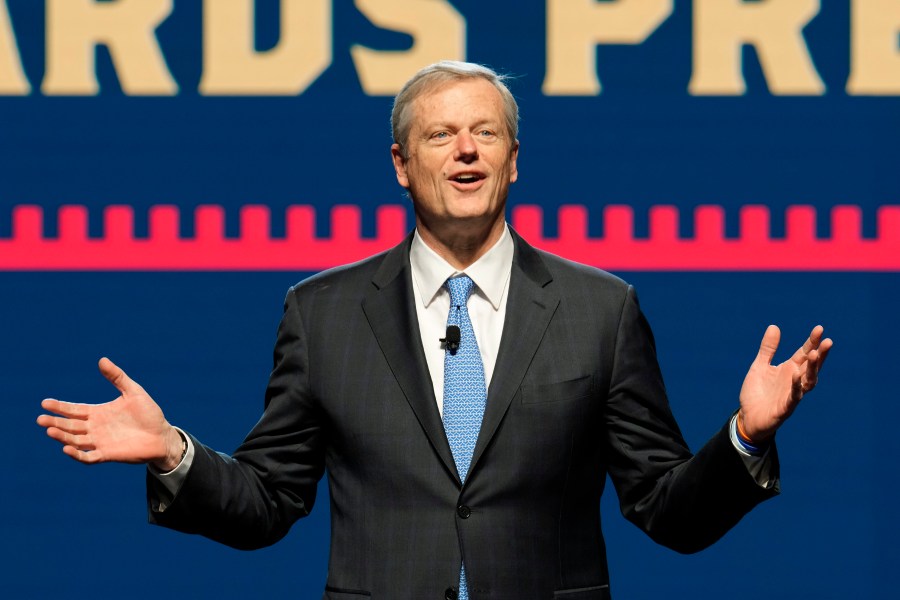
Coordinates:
(465,392)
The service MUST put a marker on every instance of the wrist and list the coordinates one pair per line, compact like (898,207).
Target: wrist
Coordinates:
(176,448)
(751,445)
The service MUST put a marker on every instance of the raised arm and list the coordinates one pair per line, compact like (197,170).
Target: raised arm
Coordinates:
(771,392)
(129,429)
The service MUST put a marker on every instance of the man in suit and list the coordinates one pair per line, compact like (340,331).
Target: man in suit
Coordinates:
(469,467)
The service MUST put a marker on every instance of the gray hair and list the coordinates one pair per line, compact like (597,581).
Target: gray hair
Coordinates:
(441,72)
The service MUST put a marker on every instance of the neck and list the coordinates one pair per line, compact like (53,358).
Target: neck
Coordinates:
(461,246)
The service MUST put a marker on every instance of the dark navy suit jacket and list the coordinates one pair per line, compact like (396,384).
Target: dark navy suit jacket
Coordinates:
(576,394)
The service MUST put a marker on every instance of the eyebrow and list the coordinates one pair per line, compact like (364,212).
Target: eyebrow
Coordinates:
(446,125)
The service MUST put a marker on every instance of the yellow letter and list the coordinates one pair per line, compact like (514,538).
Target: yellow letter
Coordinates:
(438,32)
(12,77)
(875,57)
(231,65)
(773,27)
(126,27)
(576,27)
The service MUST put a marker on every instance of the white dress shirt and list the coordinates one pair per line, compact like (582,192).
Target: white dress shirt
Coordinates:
(487,304)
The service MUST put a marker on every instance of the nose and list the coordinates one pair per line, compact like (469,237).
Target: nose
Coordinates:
(466,148)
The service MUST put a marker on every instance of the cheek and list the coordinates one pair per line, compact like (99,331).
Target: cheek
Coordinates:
(423,170)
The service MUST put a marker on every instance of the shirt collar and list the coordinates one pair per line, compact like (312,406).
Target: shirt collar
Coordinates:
(490,272)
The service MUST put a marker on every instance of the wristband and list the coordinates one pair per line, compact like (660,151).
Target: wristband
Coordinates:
(744,440)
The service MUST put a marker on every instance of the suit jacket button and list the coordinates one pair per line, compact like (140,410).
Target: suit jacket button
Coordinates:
(450,594)
(464,511)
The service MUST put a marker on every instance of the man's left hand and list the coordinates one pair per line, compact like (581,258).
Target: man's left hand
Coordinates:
(771,393)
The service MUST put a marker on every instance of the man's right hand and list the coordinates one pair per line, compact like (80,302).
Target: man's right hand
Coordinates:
(130,429)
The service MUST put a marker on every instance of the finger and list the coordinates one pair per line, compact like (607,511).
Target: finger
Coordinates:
(811,343)
(824,349)
(769,344)
(797,389)
(811,377)
(66,409)
(116,376)
(68,425)
(815,336)
(814,365)
(88,458)
(80,442)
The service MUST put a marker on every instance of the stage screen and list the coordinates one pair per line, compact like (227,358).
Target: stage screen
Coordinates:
(168,169)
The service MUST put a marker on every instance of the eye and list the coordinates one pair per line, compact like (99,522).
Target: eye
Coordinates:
(486,133)
(440,135)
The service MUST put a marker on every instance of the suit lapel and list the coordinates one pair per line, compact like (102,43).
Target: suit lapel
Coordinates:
(391,312)
(529,308)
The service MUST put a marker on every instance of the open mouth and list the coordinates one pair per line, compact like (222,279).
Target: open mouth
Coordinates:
(465,178)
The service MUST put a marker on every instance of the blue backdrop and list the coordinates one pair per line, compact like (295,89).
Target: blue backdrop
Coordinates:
(199,337)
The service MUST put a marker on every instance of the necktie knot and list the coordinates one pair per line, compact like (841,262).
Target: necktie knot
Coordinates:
(460,289)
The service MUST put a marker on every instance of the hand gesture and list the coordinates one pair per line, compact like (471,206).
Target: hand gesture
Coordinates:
(130,429)
(771,393)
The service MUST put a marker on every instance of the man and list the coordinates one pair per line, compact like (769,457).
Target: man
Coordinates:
(466,453)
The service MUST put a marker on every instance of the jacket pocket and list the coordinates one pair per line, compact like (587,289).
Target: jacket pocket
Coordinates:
(597,592)
(561,391)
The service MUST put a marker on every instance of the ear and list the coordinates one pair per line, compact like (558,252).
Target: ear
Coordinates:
(513,156)
(399,165)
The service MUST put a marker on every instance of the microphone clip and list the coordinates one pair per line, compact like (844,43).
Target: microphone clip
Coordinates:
(452,339)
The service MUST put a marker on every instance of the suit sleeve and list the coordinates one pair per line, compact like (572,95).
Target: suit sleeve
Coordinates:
(251,499)
(682,501)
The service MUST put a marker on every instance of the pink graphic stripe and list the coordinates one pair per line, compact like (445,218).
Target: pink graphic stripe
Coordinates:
(164,249)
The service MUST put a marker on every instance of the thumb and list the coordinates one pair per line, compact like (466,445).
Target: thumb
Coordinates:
(116,376)
(769,344)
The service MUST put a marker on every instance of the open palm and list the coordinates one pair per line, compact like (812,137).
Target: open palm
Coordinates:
(770,393)
(129,429)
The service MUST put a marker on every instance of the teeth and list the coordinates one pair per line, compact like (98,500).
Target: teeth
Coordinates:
(466,178)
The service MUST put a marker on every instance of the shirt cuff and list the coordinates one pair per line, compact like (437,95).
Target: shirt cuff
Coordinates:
(162,496)
(759,466)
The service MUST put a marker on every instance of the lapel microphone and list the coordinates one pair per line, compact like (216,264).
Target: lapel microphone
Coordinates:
(451,342)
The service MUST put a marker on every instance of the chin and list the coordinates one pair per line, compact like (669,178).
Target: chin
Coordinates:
(471,216)
(471,208)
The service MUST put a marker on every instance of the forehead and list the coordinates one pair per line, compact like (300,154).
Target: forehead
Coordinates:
(458,101)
